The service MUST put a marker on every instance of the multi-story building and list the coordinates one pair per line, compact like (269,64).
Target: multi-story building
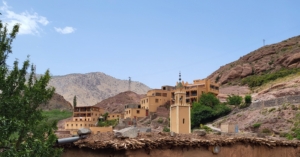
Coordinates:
(112,116)
(86,117)
(156,98)
(195,90)
(134,111)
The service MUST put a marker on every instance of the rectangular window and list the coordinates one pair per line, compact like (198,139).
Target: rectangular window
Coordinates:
(183,121)
(138,111)
(158,94)
(164,94)
(156,100)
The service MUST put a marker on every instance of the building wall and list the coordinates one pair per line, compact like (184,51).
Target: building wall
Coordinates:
(96,130)
(76,125)
(112,116)
(230,128)
(173,119)
(154,99)
(134,113)
(184,120)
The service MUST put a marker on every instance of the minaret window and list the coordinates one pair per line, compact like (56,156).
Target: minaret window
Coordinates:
(183,121)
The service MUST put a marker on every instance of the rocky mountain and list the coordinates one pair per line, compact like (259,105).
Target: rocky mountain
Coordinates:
(116,103)
(57,102)
(92,88)
(285,54)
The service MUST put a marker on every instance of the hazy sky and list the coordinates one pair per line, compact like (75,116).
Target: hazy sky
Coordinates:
(150,41)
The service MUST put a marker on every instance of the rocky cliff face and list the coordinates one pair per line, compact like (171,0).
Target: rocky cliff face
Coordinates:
(116,104)
(285,54)
(92,88)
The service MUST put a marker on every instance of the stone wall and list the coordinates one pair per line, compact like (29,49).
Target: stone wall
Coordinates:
(293,99)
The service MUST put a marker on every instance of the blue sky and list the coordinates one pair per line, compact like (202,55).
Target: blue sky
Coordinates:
(150,41)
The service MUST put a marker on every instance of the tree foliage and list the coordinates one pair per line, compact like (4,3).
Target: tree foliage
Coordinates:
(74,101)
(234,99)
(23,129)
(207,109)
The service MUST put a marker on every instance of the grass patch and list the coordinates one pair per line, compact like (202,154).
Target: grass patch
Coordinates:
(258,80)
(56,115)
(256,125)
(106,123)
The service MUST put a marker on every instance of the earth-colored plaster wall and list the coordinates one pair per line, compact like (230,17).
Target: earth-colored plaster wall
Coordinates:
(237,150)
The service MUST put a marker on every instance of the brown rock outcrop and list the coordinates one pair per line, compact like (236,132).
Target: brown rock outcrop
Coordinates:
(285,54)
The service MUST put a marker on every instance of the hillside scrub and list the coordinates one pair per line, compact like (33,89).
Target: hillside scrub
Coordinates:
(258,80)
(207,109)
(234,99)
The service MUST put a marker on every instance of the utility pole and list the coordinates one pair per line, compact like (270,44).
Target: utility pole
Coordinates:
(264,42)
(129,84)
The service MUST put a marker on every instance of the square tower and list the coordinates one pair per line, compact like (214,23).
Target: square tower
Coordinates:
(180,112)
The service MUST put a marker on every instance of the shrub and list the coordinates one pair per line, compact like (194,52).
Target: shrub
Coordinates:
(166,129)
(248,99)
(160,120)
(256,125)
(206,128)
(244,105)
(266,131)
(272,109)
(234,99)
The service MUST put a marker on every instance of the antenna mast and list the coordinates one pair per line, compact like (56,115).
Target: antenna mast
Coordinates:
(129,84)
(264,41)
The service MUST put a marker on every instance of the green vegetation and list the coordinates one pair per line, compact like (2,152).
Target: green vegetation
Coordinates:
(160,120)
(258,80)
(296,128)
(207,109)
(256,125)
(74,101)
(272,109)
(266,131)
(248,99)
(166,129)
(56,115)
(24,129)
(106,123)
(234,99)
(206,128)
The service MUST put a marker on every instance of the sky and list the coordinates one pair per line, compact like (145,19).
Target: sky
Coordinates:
(149,41)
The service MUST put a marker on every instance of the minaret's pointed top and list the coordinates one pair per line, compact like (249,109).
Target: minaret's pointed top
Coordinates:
(179,76)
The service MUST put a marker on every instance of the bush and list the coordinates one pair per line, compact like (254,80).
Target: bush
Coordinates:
(244,105)
(206,128)
(160,120)
(234,99)
(256,125)
(248,99)
(272,109)
(266,131)
(166,129)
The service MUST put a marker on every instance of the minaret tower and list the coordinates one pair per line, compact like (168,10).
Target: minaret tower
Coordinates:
(180,111)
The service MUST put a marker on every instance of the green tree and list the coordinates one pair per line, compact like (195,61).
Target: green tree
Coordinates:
(74,101)
(207,109)
(234,99)
(24,131)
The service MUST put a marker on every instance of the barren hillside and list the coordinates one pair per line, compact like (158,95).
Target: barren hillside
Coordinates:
(285,54)
(116,103)
(92,88)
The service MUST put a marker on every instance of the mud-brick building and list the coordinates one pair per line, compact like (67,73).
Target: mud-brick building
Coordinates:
(86,117)
(156,98)
(112,116)
(134,111)
(196,89)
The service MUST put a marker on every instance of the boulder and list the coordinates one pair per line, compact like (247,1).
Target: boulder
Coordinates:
(200,132)
(130,132)
(247,70)
(83,131)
